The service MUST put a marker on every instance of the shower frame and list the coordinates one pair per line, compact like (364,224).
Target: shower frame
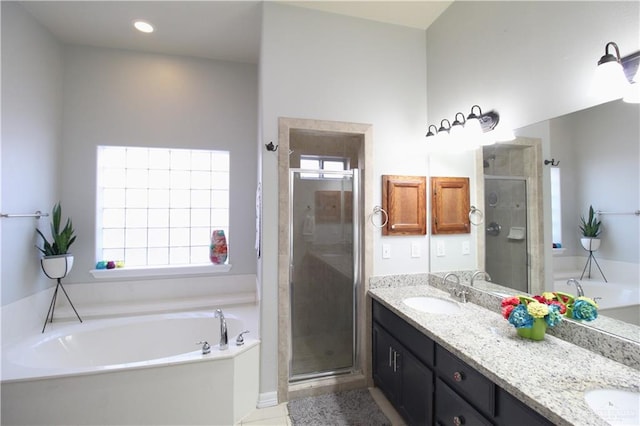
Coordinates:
(362,377)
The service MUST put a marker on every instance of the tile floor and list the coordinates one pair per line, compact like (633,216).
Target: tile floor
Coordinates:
(279,415)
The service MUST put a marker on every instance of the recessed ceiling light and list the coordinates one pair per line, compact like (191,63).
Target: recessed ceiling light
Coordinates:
(143,26)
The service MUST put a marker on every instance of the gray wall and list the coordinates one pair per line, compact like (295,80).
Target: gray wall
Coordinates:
(117,97)
(60,102)
(31,146)
(599,150)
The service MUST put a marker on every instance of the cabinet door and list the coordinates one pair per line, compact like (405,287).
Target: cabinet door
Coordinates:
(416,393)
(509,408)
(450,205)
(404,200)
(385,363)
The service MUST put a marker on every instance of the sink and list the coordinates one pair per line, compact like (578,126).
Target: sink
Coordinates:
(432,305)
(615,406)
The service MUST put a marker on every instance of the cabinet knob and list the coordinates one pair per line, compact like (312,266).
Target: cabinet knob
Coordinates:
(458,376)
(458,420)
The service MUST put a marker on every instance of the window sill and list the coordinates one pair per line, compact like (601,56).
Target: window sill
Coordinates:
(558,251)
(159,271)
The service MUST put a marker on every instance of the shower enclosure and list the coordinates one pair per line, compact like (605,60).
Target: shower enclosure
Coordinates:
(324,272)
(506,231)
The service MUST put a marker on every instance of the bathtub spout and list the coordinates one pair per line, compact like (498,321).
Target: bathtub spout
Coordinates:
(224,341)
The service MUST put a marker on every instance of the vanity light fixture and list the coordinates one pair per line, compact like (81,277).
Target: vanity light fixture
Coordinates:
(430,133)
(473,122)
(443,132)
(609,79)
(143,26)
(458,127)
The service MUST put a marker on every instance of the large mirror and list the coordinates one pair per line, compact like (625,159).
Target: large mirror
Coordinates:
(592,159)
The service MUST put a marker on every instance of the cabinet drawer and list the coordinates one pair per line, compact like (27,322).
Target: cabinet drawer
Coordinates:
(466,381)
(416,342)
(509,408)
(451,410)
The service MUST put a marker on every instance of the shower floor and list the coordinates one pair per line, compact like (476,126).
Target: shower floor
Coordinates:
(323,352)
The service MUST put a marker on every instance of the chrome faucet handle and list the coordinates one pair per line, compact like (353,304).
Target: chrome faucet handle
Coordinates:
(206,347)
(240,338)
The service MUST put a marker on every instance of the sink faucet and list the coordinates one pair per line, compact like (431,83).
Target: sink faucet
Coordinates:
(224,341)
(476,273)
(578,286)
(448,274)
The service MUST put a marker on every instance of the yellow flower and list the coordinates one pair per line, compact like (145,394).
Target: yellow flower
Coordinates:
(537,309)
(548,295)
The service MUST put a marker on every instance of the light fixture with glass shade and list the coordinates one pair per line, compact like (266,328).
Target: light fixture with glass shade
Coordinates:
(609,80)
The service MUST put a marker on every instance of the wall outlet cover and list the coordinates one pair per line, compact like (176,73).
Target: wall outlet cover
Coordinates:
(440,248)
(386,251)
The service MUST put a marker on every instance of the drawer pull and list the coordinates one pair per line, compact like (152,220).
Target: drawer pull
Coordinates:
(458,420)
(458,376)
(390,352)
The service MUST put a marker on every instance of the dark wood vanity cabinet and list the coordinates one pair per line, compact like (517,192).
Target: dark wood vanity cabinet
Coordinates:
(428,385)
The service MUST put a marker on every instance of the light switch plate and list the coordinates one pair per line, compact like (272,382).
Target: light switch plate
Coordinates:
(440,248)
(415,249)
(386,251)
(466,249)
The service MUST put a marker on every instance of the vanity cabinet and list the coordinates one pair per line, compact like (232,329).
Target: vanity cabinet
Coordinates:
(406,380)
(428,385)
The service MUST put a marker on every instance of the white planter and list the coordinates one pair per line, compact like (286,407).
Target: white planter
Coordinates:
(56,267)
(590,244)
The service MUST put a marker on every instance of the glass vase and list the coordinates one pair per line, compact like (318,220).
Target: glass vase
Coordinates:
(218,247)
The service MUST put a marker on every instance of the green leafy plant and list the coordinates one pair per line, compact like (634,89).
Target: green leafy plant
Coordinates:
(61,239)
(591,227)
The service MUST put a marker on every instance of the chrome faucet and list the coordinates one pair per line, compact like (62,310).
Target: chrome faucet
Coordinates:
(224,341)
(578,286)
(447,275)
(476,273)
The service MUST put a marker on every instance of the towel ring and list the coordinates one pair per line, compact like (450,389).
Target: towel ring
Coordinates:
(477,212)
(378,209)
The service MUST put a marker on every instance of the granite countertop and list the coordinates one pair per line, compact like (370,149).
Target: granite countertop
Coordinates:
(550,376)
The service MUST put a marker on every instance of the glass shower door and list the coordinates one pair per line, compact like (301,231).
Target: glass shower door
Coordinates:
(506,258)
(323,276)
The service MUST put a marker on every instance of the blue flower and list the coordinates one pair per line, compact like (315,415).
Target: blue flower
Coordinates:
(554,316)
(583,310)
(520,317)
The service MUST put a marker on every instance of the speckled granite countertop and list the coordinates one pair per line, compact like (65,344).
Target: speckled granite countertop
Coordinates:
(550,376)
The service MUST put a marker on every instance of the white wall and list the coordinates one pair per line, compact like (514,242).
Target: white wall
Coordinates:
(530,61)
(322,66)
(31,141)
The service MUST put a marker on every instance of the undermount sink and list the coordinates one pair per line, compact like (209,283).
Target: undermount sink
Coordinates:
(432,305)
(615,406)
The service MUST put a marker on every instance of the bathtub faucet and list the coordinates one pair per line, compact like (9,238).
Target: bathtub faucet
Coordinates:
(578,286)
(224,341)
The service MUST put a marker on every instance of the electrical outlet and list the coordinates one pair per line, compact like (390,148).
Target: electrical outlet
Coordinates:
(415,249)
(466,249)
(386,251)
(440,249)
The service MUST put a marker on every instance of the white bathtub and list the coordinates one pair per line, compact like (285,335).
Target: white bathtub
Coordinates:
(615,300)
(136,370)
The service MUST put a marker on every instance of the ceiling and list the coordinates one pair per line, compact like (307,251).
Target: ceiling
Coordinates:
(225,30)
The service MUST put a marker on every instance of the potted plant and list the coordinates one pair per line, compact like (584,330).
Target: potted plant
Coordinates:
(590,229)
(57,260)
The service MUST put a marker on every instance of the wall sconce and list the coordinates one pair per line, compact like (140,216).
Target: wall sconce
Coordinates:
(614,77)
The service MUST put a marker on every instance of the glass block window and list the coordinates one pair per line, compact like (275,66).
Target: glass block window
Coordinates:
(556,211)
(158,207)
(315,162)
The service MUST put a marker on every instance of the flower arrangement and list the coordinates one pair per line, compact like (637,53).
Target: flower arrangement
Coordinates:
(532,315)
(579,308)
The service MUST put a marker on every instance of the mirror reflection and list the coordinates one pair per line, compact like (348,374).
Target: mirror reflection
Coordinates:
(596,162)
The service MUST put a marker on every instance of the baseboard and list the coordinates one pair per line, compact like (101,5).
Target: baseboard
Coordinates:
(267,399)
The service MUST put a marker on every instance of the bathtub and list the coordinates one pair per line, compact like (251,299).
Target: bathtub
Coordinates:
(136,370)
(616,300)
